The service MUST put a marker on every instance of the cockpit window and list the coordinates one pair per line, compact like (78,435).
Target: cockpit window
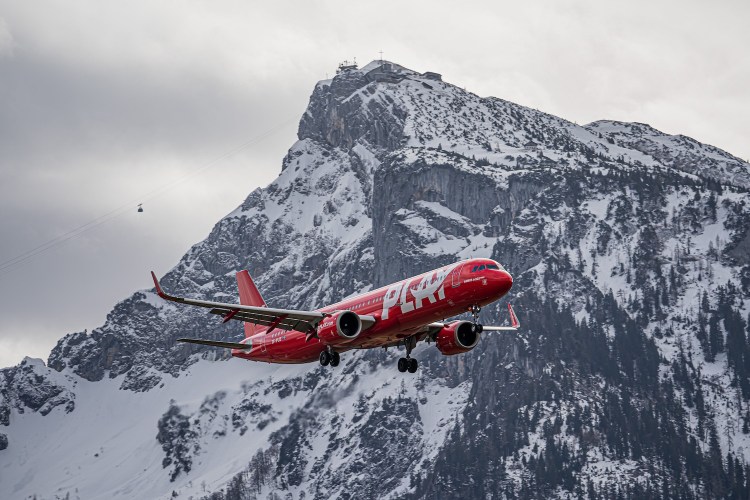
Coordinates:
(493,266)
(481,268)
(475,269)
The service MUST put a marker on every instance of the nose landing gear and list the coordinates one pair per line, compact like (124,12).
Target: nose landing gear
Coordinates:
(476,326)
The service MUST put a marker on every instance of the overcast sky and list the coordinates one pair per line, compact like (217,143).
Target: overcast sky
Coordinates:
(101,103)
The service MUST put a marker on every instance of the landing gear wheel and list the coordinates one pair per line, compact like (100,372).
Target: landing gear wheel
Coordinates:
(413,365)
(325,358)
(403,364)
(335,359)
(476,327)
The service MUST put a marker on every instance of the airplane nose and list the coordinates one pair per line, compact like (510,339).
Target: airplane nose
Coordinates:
(505,282)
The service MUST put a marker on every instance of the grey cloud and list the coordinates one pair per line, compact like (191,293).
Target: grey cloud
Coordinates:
(6,39)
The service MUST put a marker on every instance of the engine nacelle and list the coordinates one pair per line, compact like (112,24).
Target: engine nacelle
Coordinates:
(456,338)
(339,328)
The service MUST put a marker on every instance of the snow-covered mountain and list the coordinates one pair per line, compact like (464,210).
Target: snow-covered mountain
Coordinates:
(630,250)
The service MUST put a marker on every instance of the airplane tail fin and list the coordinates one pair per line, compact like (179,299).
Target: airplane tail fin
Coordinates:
(249,296)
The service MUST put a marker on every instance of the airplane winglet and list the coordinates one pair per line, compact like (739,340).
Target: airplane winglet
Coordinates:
(513,319)
(159,290)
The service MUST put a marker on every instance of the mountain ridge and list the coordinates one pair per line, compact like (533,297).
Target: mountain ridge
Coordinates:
(395,173)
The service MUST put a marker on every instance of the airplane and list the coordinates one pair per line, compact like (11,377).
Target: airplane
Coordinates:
(403,313)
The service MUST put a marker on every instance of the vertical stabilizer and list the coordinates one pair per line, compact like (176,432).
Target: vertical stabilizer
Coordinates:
(249,296)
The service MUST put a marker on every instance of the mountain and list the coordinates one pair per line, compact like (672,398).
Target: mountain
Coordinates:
(630,250)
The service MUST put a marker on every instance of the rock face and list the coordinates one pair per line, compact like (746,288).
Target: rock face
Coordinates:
(31,386)
(630,377)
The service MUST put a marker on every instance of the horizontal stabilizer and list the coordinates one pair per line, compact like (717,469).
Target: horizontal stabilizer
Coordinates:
(216,343)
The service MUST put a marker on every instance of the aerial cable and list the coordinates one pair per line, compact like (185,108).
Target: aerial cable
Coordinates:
(10,264)
(17,261)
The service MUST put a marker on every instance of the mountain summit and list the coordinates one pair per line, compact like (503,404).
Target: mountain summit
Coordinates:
(631,378)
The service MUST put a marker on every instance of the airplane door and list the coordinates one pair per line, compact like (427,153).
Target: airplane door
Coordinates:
(456,275)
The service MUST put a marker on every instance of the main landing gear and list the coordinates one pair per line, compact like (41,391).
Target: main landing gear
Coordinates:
(330,357)
(408,363)
(405,364)
(477,326)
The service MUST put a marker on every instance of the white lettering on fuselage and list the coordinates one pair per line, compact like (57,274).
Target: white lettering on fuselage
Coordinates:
(428,286)
(390,298)
(406,306)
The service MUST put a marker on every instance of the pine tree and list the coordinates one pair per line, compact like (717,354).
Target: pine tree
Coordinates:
(715,337)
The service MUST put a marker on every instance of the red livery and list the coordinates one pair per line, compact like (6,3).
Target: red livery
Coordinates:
(399,314)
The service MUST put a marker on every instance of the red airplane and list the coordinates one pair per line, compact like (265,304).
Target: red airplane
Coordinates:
(399,314)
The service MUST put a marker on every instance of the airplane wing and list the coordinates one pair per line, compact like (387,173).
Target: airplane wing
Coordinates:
(284,319)
(216,343)
(515,325)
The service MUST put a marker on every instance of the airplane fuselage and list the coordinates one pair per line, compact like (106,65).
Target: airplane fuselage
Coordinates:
(399,311)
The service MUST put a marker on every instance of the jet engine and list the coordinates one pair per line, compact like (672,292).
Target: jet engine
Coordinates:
(340,328)
(456,338)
